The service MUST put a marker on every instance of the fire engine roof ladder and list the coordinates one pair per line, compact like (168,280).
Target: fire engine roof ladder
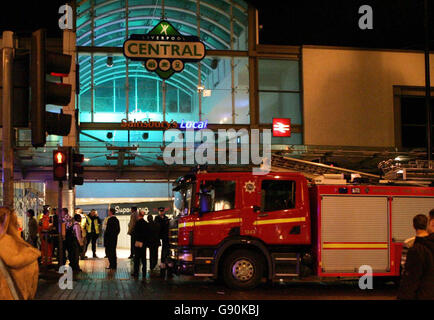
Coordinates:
(413,172)
(313,169)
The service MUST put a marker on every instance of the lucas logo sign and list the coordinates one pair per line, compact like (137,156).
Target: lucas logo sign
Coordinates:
(164,50)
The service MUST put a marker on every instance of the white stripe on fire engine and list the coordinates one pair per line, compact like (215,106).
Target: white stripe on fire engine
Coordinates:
(338,245)
(274,221)
(209,222)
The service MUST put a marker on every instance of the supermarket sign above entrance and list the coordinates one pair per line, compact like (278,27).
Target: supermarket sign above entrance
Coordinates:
(164,50)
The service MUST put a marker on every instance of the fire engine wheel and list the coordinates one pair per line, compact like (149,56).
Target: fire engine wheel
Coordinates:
(242,269)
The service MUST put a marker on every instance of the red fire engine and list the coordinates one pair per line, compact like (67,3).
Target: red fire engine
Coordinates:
(242,227)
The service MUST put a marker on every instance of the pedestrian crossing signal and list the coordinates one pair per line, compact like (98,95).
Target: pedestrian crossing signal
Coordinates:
(60,165)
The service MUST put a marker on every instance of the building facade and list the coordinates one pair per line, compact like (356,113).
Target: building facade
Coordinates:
(347,106)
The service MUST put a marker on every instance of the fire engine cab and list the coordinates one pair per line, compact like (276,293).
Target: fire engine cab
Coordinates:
(243,228)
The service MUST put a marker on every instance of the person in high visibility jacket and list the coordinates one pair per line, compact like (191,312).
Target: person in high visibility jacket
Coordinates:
(39,217)
(45,227)
(92,230)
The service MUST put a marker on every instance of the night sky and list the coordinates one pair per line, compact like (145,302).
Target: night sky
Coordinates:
(398,24)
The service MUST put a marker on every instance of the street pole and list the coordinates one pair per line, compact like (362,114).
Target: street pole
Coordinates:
(427,85)
(7,134)
(60,222)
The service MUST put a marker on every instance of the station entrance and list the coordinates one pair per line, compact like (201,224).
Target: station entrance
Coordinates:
(122,196)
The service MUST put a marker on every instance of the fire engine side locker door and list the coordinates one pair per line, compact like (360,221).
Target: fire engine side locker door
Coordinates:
(404,208)
(354,231)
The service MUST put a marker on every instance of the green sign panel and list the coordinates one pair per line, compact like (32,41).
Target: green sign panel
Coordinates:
(164,50)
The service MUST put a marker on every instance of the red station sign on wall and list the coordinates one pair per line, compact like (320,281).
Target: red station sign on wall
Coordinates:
(281,127)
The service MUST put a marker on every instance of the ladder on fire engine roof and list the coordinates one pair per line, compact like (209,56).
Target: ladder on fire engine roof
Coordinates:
(312,170)
(417,171)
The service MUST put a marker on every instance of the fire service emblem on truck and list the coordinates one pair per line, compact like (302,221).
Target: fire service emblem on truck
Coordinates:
(164,50)
(249,186)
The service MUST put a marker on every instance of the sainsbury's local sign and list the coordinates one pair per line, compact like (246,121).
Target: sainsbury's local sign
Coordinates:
(164,50)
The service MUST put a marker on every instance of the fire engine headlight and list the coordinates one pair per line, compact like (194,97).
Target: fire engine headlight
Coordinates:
(186,256)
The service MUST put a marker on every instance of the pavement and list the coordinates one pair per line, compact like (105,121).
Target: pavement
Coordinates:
(97,283)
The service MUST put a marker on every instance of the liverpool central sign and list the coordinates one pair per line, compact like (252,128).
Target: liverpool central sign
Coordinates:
(164,50)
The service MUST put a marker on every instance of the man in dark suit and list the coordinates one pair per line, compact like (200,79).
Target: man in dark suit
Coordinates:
(153,242)
(140,234)
(163,221)
(111,238)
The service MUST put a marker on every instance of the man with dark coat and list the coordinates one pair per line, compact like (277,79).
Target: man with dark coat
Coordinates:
(418,279)
(163,221)
(111,239)
(140,233)
(131,224)
(153,241)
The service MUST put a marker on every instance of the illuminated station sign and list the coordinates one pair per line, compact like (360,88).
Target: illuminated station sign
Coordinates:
(281,127)
(164,50)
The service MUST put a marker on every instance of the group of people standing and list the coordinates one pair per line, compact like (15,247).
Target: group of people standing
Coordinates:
(80,230)
(80,234)
(42,233)
(150,233)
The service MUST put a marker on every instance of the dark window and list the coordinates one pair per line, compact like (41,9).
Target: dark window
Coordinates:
(172,99)
(184,102)
(413,122)
(277,195)
(217,195)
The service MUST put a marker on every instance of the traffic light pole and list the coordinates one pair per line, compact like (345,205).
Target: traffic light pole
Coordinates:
(60,222)
(70,48)
(7,132)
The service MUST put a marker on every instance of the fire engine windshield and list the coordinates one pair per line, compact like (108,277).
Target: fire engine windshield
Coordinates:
(183,200)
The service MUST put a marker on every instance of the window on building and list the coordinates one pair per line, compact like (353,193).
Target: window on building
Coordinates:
(171,99)
(277,195)
(413,122)
(279,90)
(217,196)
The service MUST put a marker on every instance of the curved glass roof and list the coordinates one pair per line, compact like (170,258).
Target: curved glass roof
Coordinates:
(112,18)
(222,25)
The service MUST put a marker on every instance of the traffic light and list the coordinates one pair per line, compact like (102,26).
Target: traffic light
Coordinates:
(76,169)
(42,63)
(60,165)
(20,95)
